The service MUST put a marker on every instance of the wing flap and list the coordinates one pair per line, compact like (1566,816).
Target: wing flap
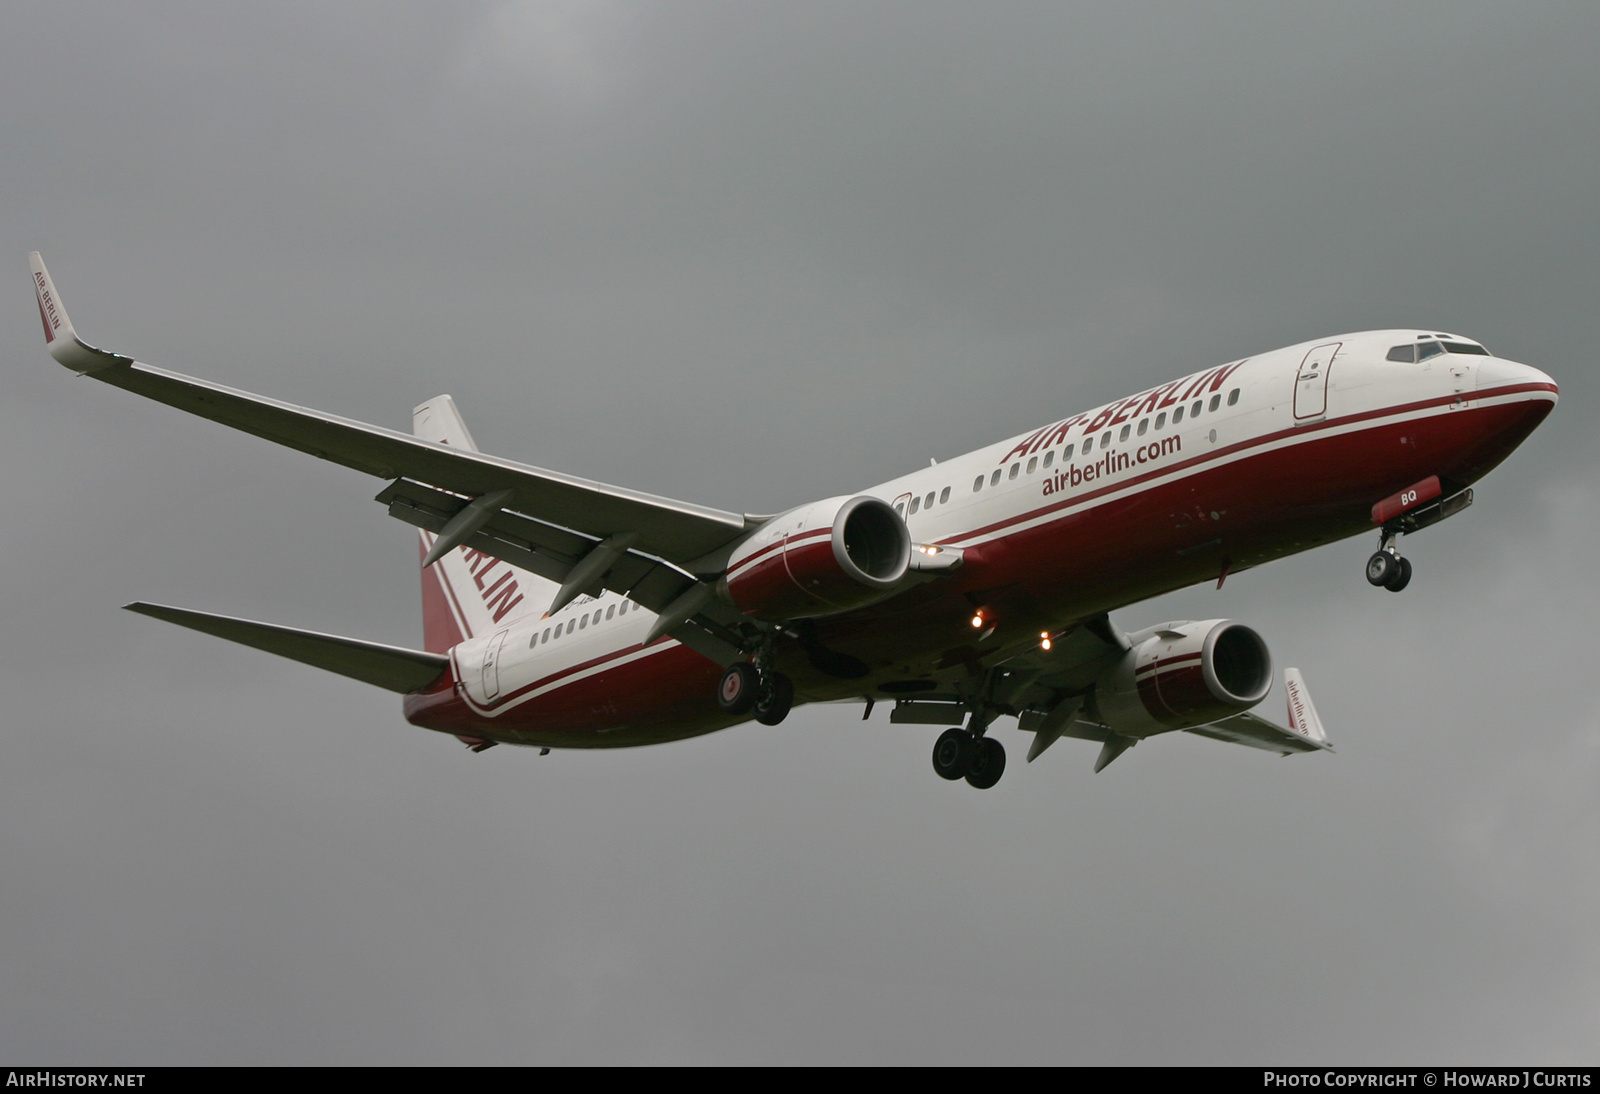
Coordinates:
(538,546)
(552,552)
(391,667)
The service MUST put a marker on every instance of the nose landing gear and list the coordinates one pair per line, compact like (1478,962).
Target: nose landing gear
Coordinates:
(1386,568)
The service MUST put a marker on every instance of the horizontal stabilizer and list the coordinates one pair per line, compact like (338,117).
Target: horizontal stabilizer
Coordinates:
(390,667)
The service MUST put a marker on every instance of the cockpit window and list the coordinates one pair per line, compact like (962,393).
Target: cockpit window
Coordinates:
(1421,351)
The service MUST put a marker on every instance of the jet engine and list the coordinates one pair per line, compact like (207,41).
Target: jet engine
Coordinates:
(1182,675)
(826,557)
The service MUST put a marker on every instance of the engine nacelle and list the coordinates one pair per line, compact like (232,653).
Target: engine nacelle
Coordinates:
(826,557)
(1182,675)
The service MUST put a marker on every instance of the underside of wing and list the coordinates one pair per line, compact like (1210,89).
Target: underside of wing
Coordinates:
(1257,732)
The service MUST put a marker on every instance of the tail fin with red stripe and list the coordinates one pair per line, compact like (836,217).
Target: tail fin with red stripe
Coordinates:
(465,592)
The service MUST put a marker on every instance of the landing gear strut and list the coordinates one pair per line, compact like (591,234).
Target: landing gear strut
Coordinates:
(957,754)
(1386,568)
(744,688)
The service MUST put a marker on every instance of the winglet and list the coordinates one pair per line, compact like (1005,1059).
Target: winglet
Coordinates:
(59,337)
(1302,713)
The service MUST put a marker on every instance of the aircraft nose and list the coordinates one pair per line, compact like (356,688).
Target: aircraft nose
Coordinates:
(1494,372)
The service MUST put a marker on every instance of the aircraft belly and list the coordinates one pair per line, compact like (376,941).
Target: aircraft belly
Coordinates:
(626,697)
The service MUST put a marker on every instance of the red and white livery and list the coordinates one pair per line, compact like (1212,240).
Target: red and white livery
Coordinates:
(564,613)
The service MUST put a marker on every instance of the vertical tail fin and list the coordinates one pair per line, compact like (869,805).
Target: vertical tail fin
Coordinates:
(466,593)
(439,421)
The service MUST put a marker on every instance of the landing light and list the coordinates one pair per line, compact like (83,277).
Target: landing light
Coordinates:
(977,620)
(1044,640)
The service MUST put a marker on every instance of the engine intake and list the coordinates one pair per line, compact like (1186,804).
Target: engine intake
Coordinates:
(1182,675)
(827,557)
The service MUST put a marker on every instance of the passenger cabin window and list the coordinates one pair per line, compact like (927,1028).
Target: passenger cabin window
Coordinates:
(1177,416)
(1033,465)
(994,479)
(1233,397)
(927,502)
(1088,444)
(1144,426)
(583,621)
(546,636)
(1196,408)
(1014,469)
(1216,401)
(916,503)
(611,611)
(944,495)
(1125,431)
(1066,454)
(1105,438)
(1161,419)
(1050,457)
(977,484)
(900,507)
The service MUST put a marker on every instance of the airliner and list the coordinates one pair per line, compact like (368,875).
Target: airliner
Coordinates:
(559,612)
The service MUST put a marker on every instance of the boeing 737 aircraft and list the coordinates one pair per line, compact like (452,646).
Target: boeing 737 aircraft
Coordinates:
(564,613)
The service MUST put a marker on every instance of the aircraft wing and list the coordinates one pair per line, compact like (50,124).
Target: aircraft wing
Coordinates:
(672,530)
(580,564)
(1257,732)
(1304,733)
(1052,685)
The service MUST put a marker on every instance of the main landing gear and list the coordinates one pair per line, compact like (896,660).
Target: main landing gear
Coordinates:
(745,688)
(957,754)
(1386,568)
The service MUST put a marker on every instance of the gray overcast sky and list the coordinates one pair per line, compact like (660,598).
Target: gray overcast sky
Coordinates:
(749,255)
